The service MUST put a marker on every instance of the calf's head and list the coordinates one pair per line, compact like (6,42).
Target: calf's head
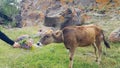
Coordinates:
(51,37)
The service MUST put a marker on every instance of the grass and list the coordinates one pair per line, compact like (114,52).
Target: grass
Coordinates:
(55,55)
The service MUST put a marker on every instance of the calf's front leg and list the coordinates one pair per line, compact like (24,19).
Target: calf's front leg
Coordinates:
(71,56)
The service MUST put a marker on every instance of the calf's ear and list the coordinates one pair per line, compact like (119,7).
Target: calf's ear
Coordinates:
(57,33)
(49,31)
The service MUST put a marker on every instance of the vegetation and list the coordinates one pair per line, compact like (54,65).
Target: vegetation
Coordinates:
(7,7)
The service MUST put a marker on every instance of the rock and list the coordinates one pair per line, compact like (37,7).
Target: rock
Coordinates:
(115,35)
(85,3)
(53,17)
(61,17)
(18,19)
(32,11)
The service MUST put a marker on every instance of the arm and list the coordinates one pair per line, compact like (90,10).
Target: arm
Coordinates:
(6,39)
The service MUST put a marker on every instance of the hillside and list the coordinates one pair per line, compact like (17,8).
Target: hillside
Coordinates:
(30,16)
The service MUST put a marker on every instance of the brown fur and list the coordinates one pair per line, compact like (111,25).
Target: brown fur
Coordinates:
(79,36)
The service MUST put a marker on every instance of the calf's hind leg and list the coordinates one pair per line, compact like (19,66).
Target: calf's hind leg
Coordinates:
(96,50)
(98,44)
(99,53)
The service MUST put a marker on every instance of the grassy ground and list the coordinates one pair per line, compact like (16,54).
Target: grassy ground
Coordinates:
(55,55)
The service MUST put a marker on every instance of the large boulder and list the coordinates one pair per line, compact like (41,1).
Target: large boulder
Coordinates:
(63,16)
(115,35)
(53,17)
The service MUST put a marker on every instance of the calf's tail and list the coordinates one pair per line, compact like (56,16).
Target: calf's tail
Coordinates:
(105,41)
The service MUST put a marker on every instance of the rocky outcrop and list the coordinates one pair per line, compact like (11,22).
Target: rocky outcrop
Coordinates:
(33,11)
(115,35)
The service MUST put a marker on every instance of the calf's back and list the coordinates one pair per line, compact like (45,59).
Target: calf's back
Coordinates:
(80,35)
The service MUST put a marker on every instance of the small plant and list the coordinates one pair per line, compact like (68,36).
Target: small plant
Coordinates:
(26,43)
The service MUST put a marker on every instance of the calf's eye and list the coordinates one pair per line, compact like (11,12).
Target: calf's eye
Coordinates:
(46,36)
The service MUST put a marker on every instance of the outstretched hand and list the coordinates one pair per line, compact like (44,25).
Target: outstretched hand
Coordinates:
(16,45)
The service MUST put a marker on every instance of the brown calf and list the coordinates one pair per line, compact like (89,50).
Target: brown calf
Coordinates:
(78,36)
